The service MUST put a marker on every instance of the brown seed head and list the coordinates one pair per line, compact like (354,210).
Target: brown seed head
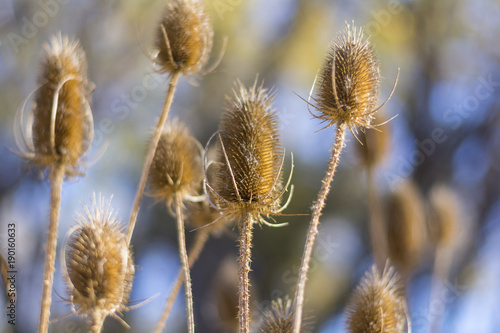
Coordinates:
(378,304)
(248,169)
(278,318)
(184,37)
(375,143)
(98,263)
(176,168)
(351,97)
(445,216)
(405,227)
(62,120)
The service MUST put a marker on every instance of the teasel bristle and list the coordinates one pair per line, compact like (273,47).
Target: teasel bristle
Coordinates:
(405,218)
(184,37)
(378,304)
(278,318)
(176,168)
(62,124)
(98,265)
(348,82)
(248,171)
(202,216)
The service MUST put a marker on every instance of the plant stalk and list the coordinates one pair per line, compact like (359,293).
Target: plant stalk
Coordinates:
(313,226)
(245,244)
(97,320)
(56,181)
(151,152)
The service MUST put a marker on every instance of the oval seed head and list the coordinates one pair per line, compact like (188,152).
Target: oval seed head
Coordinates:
(278,318)
(405,227)
(62,120)
(248,174)
(351,97)
(176,168)
(378,304)
(446,216)
(98,263)
(184,37)
(375,143)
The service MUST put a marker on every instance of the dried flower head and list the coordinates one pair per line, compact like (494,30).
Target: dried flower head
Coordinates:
(405,226)
(250,158)
(375,143)
(445,216)
(278,318)
(98,263)
(348,82)
(176,168)
(184,37)
(378,304)
(62,124)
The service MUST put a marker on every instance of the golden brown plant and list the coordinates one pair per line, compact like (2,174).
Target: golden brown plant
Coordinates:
(378,304)
(375,142)
(405,225)
(184,37)
(248,173)
(347,96)
(278,318)
(97,264)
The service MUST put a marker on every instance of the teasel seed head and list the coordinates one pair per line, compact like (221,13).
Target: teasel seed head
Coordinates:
(375,142)
(348,82)
(378,304)
(278,318)
(248,170)
(445,216)
(62,127)
(184,37)
(97,263)
(176,168)
(405,215)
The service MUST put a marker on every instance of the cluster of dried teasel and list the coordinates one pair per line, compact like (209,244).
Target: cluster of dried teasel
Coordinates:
(244,183)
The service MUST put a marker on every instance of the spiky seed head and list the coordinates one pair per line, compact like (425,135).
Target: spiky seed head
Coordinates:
(62,120)
(278,318)
(184,37)
(98,263)
(375,143)
(248,169)
(378,304)
(445,216)
(405,214)
(351,97)
(176,168)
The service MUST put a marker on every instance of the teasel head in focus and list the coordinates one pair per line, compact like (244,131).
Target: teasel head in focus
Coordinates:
(176,169)
(378,304)
(97,264)
(247,175)
(349,82)
(184,37)
(59,129)
(278,318)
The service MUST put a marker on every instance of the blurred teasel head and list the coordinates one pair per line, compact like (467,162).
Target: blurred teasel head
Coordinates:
(184,37)
(278,318)
(97,263)
(61,120)
(176,169)
(248,168)
(378,304)
(349,82)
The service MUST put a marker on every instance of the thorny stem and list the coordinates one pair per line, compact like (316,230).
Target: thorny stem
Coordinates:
(245,244)
(377,227)
(56,181)
(185,263)
(96,320)
(151,152)
(194,253)
(313,226)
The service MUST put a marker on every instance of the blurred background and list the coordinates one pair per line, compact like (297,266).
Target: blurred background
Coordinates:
(443,148)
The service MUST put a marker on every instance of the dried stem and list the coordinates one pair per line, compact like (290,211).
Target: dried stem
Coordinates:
(185,263)
(97,320)
(56,181)
(377,227)
(151,152)
(442,263)
(313,226)
(245,244)
(194,253)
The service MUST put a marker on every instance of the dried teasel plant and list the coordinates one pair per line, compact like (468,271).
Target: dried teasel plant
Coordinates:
(378,304)
(98,265)
(176,174)
(347,96)
(278,318)
(58,132)
(248,171)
